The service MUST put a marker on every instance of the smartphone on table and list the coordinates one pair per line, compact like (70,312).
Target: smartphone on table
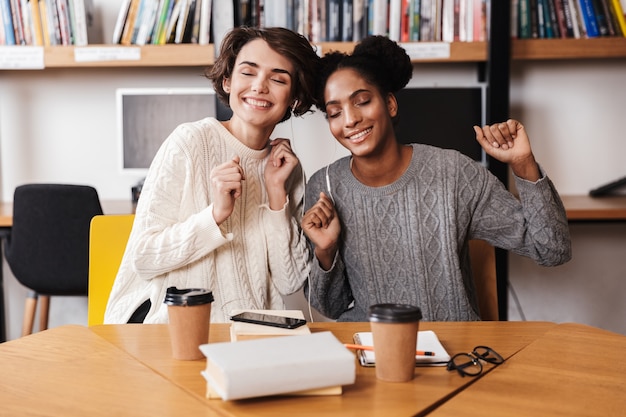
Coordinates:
(269,320)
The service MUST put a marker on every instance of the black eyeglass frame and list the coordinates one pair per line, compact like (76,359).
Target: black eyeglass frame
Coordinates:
(474,359)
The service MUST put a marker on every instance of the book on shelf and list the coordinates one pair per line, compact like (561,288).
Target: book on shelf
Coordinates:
(619,15)
(35,12)
(204,31)
(223,20)
(564,17)
(577,18)
(589,18)
(552,20)
(611,19)
(347,22)
(605,28)
(277,365)
(131,21)
(7,23)
(120,21)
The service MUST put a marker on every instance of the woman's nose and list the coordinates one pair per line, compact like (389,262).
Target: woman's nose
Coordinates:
(259,85)
(351,117)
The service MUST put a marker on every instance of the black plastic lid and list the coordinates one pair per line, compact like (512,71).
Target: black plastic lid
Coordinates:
(394,313)
(187,296)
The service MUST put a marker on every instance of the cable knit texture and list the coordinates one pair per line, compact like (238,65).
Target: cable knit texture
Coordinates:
(407,242)
(250,261)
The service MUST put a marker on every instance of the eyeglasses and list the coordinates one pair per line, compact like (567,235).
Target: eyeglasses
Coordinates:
(470,364)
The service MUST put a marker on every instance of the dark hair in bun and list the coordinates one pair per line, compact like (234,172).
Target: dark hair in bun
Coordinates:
(378,59)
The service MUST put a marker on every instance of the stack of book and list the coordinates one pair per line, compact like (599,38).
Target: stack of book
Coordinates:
(554,19)
(265,360)
(277,365)
(47,22)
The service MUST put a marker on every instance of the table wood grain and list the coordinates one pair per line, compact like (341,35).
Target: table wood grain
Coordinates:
(367,397)
(573,370)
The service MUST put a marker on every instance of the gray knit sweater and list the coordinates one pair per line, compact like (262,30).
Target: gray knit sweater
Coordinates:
(407,242)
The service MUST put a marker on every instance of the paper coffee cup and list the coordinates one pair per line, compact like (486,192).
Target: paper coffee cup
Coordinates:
(394,331)
(189,312)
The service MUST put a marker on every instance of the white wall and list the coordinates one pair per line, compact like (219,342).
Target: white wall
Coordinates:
(60,126)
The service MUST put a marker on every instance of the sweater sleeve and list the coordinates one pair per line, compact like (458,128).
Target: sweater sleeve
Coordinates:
(288,254)
(170,230)
(535,225)
(330,291)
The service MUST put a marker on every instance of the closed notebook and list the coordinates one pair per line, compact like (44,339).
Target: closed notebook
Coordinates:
(277,365)
(427,341)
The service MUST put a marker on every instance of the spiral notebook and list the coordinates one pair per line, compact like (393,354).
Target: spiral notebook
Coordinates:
(427,340)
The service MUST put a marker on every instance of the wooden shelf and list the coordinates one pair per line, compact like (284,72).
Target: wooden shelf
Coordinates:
(170,55)
(190,55)
(586,208)
(194,55)
(543,49)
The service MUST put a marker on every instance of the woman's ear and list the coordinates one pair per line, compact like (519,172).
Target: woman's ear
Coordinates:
(226,85)
(392,105)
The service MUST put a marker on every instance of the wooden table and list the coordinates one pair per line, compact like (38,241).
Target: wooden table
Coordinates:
(70,371)
(572,370)
(367,397)
(127,370)
(586,208)
(551,370)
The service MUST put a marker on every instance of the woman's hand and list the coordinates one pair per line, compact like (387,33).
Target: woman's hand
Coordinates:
(226,182)
(321,225)
(280,165)
(508,143)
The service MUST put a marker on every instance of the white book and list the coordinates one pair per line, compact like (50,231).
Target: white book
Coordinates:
(427,341)
(395,18)
(223,21)
(148,20)
(119,23)
(447,21)
(182,21)
(379,17)
(277,365)
(204,32)
(80,23)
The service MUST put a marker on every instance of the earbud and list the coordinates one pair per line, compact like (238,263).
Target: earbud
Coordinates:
(294,105)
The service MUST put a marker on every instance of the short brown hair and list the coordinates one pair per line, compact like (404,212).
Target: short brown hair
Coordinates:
(295,47)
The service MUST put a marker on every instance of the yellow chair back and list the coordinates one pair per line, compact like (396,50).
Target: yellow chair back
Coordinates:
(107,241)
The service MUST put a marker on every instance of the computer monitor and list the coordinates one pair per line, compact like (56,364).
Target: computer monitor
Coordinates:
(147,116)
(443,117)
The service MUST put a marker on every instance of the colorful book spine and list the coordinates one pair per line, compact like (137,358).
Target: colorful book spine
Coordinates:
(415,12)
(7,22)
(589,18)
(35,12)
(619,15)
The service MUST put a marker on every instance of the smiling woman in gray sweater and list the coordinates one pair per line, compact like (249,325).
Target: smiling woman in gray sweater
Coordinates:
(391,222)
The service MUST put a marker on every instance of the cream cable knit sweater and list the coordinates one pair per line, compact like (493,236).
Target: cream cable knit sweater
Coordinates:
(249,261)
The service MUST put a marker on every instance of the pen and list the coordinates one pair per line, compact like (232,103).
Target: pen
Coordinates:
(362,347)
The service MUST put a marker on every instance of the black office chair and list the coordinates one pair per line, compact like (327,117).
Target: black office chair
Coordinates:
(48,249)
